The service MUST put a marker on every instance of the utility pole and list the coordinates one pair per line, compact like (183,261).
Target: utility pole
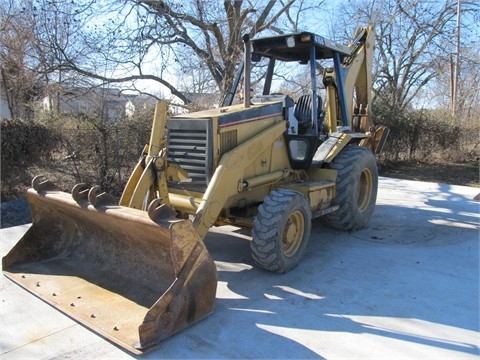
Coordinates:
(457,64)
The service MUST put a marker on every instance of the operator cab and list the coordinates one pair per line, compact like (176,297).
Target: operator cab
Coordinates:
(305,116)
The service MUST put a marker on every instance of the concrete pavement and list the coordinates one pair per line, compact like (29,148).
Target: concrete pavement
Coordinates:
(405,287)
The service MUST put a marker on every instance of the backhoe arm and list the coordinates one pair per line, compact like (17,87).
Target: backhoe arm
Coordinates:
(358,77)
(356,73)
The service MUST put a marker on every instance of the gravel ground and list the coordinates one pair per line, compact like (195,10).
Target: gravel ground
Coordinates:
(14,212)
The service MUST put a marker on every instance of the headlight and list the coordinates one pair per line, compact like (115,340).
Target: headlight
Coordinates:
(290,42)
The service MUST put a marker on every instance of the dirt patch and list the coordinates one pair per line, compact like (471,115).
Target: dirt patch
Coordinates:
(466,174)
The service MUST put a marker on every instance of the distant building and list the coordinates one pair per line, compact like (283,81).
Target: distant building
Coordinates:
(5,112)
(111,104)
(199,101)
(141,102)
(4,108)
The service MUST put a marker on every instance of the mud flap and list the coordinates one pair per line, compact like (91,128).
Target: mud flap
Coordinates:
(132,276)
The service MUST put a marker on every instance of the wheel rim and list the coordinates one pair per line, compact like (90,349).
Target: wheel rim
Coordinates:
(364,192)
(293,234)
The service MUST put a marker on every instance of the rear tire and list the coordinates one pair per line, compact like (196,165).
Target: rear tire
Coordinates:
(356,188)
(281,231)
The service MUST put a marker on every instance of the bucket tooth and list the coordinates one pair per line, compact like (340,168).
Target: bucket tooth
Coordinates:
(80,192)
(158,211)
(41,184)
(97,198)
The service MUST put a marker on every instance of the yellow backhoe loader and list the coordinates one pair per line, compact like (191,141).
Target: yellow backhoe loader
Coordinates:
(137,272)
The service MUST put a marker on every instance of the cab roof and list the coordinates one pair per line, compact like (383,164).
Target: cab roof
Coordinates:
(296,47)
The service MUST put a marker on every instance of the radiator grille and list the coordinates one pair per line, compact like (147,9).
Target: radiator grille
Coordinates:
(188,147)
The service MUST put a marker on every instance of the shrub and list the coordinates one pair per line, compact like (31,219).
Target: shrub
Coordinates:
(417,134)
(26,142)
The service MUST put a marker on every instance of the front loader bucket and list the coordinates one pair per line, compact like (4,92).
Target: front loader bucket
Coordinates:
(134,277)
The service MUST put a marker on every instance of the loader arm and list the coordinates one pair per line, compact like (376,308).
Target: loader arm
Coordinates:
(228,177)
(148,176)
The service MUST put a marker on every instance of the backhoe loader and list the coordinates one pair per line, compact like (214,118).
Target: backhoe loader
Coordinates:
(138,271)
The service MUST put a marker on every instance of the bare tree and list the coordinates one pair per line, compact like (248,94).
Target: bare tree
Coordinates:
(34,38)
(146,40)
(412,38)
(17,68)
(468,97)
(178,45)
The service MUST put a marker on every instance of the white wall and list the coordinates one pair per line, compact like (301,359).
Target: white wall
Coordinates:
(4,109)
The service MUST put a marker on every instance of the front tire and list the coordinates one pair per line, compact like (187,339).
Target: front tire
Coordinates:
(281,231)
(356,188)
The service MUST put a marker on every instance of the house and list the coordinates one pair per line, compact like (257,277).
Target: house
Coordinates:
(5,112)
(108,103)
(4,108)
(198,101)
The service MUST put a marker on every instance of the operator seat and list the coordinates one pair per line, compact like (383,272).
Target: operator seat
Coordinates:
(303,112)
